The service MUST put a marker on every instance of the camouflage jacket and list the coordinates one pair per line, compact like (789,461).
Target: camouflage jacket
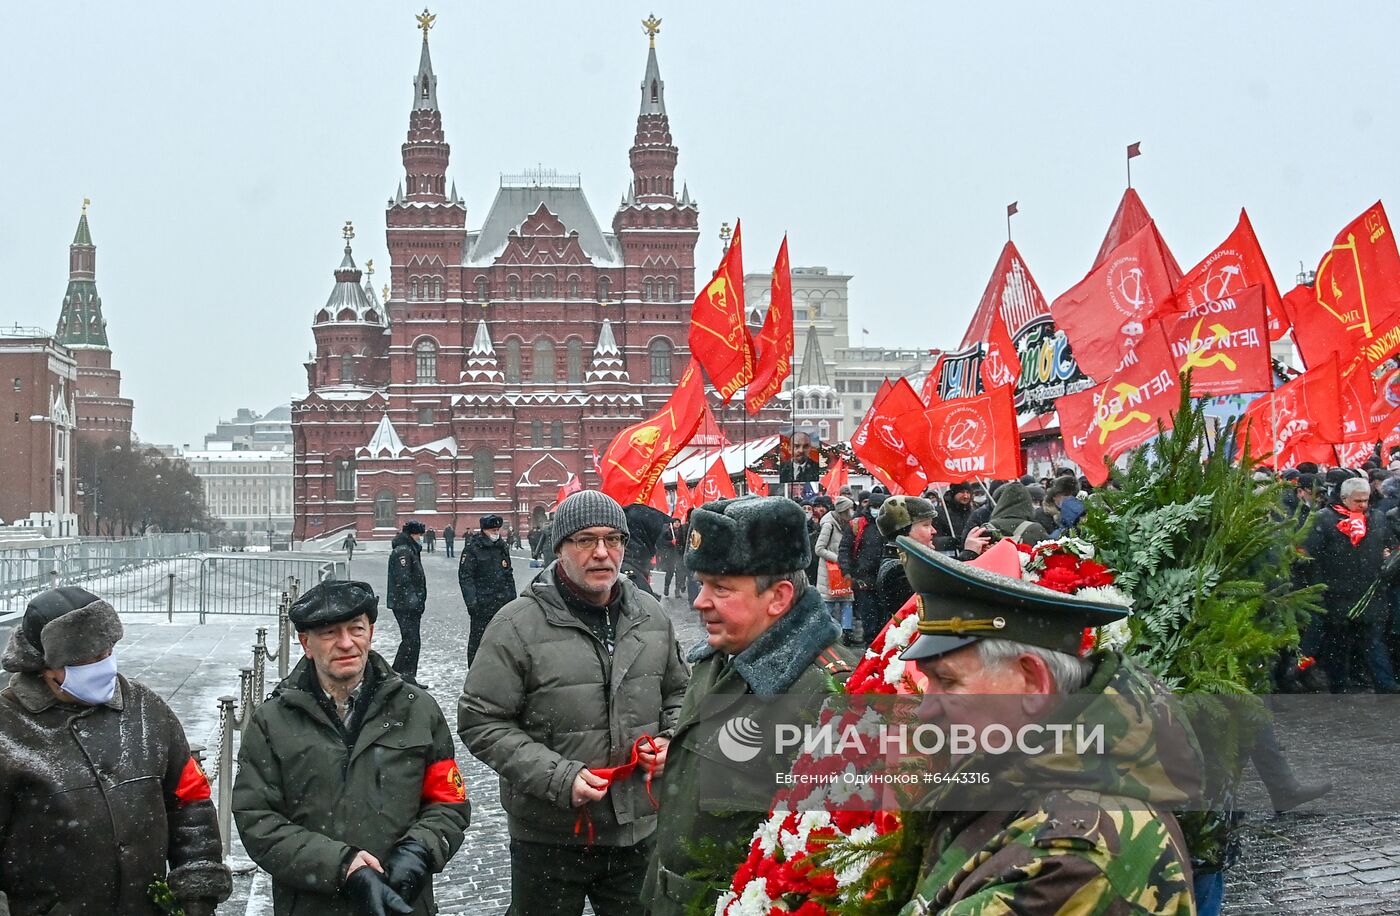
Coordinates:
(1090,836)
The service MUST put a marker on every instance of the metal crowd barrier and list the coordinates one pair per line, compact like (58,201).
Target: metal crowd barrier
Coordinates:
(218,583)
(236,712)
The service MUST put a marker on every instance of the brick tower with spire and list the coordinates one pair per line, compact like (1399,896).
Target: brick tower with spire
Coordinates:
(505,356)
(102,411)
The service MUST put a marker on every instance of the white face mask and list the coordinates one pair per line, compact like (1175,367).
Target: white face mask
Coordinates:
(93,684)
(492,534)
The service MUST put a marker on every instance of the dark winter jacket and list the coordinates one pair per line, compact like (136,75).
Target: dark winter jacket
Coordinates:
(484,575)
(861,552)
(545,699)
(408,586)
(90,814)
(791,664)
(449,534)
(814,530)
(1347,571)
(1013,515)
(950,537)
(892,588)
(306,798)
(647,527)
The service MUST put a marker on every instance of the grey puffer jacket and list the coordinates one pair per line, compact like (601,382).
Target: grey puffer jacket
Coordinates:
(545,699)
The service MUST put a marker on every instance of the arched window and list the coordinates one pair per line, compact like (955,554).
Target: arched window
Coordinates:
(426,356)
(347,367)
(556,434)
(424,492)
(512,287)
(574,287)
(542,367)
(413,289)
(825,429)
(575,361)
(513,360)
(482,289)
(345,480)
(549,288)
(537,286)
(384,509)
(536,433)
(671,289)
(484,473)
(604,288)
(437,289)
(646,290)
(660,351)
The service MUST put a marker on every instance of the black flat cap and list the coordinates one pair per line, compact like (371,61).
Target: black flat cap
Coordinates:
(960,603)
(334,601)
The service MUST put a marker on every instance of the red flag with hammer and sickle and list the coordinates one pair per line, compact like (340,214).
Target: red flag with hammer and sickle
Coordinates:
(716,484)
(773,362)
(1104,422)
(1236,264)
(719,333)
(635,458)
(1107,313)
(976,437)
(1224,343)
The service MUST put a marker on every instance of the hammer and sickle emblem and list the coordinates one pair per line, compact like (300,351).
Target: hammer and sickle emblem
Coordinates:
(1196,355)
(1114,421)
(644,438)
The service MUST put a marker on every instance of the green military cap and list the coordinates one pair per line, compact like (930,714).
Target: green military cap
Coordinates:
(749,536)
(899,513)
(960,603)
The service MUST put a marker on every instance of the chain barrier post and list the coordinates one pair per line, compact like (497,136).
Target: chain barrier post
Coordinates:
(260,659)
(245,695)
(203,587)
(170,598)
(224,775)
(284,636)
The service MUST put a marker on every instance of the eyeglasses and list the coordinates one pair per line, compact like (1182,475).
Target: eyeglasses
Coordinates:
(589,542)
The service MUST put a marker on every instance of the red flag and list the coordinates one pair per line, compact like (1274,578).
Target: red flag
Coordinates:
(1385,407)
(836,476)
(928,393)
(883,443)
(1355,454)
(1390,443)
(1107,312)
(719,333)
(684,502)
(756,484)
(715,484)
(635,458)
(1316,332)
(1000,364)
(1358,280)
(1307,408)
(572,485)
(1224,344)
(975,437)
(1123,412)
(775,343)
(658,497)
(1235,264)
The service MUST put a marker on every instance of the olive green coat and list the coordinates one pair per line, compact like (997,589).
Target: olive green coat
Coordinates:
(304,802)
(710,804)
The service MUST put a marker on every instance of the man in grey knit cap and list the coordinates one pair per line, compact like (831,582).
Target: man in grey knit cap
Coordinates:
(572,699)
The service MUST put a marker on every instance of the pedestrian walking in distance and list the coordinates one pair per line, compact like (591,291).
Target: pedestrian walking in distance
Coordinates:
(430,539)
(99,796)
(347,792)
(571,700)
(449,537)
(486,578)
(348,545)
(408,597)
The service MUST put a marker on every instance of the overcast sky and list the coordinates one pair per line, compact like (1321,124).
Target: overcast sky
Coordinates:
(223,145)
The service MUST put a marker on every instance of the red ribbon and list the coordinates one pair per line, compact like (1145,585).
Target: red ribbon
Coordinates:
(1352,525)
(615,774)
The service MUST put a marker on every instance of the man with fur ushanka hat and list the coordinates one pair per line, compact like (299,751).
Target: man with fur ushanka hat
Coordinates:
(1053,831)
(767,635)
(99,796)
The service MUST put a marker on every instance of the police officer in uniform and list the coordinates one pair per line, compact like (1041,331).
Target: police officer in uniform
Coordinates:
(485,576)
(768,635)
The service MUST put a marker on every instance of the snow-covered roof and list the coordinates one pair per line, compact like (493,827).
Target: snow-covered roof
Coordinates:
(513,205)
(692,462)
(385,439)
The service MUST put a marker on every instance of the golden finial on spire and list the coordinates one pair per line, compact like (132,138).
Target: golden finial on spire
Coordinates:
(369,267)
(87,202)
(348,231)
(386,292)
(651,25)
(425,22)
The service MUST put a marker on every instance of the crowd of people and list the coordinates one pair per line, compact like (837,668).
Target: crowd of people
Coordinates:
(606,733)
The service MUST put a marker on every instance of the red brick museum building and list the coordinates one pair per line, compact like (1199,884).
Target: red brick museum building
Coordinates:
(504,355)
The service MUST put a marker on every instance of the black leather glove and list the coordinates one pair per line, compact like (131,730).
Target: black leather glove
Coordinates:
(407,869)
(371,895)
(201,907)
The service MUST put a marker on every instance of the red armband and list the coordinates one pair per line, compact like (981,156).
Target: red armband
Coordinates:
(193,785)
(442,783)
